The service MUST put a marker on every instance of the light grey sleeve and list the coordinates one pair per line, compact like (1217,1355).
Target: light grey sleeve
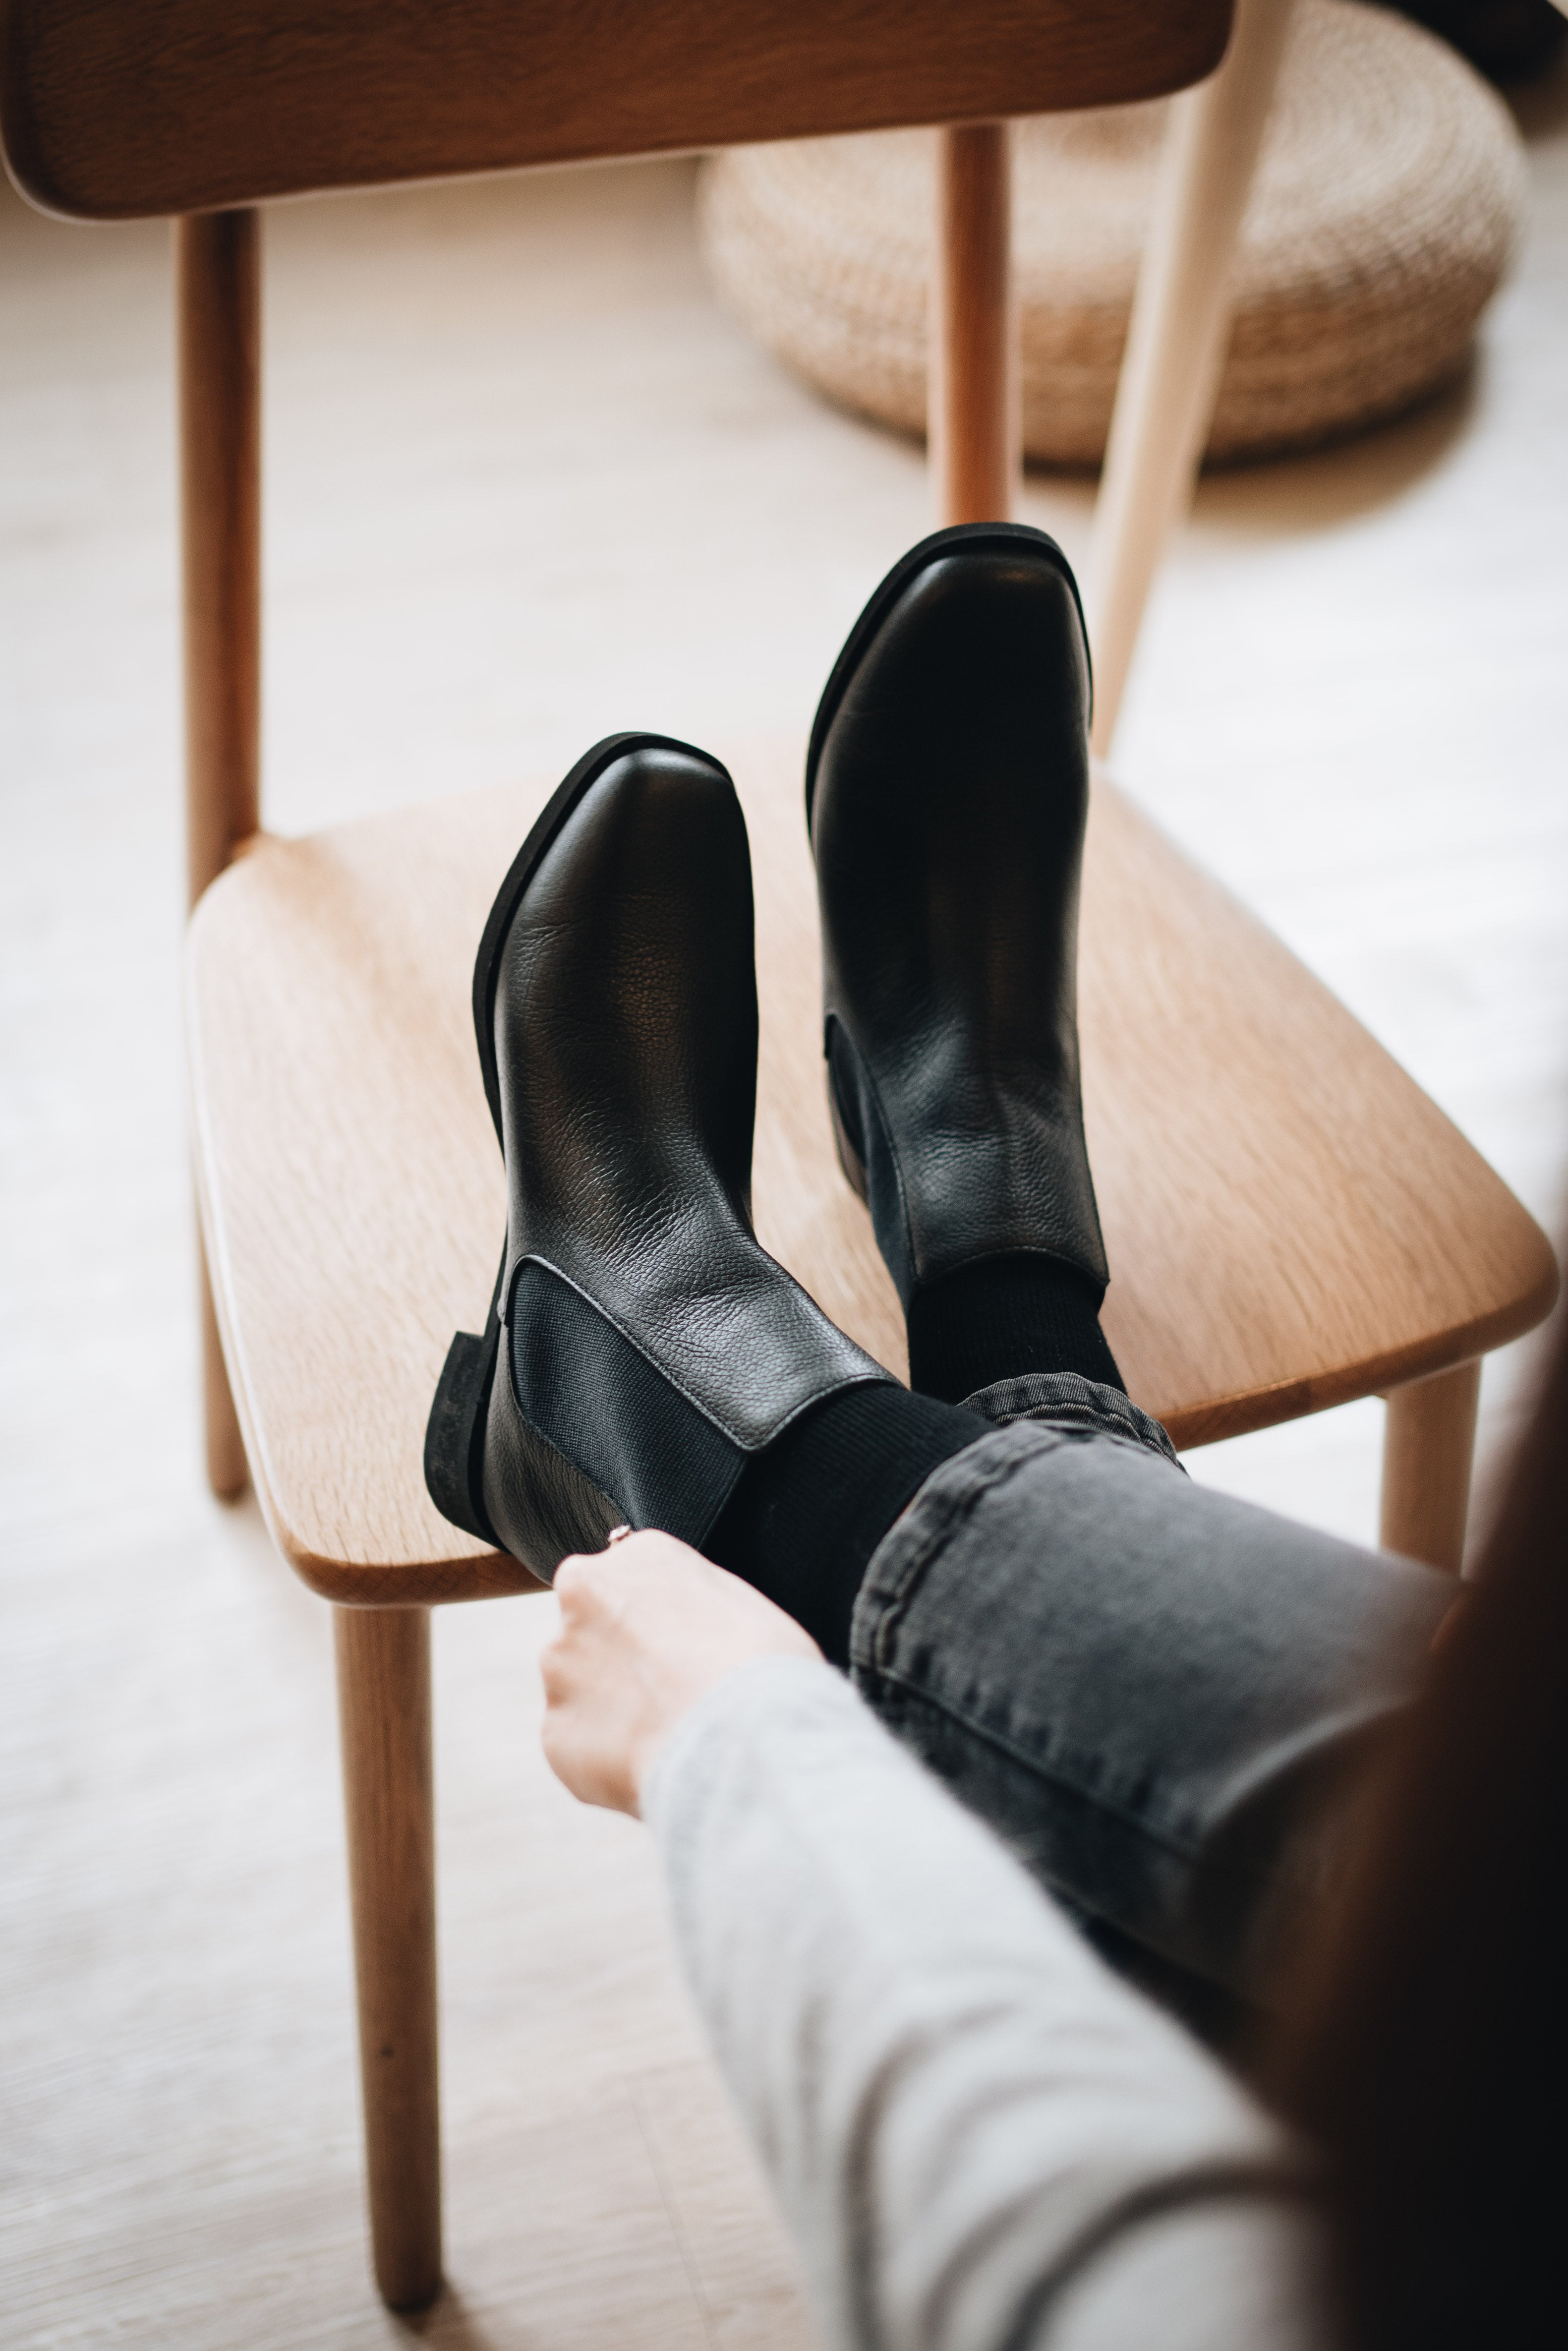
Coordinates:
(980,2137)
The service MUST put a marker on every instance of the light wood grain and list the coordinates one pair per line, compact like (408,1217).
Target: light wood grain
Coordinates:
(1176,340)
(1290,1222)
(1428,1440)
(383,1703)
(166,107)
(976,413)
(217,307)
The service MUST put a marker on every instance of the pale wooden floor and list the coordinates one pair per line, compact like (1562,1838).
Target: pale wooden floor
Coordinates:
(526,485)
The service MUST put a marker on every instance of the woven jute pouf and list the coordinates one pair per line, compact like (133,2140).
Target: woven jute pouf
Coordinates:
(1384,209)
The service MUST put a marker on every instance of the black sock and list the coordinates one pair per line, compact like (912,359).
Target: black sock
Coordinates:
(810,1511)
(1002,1317)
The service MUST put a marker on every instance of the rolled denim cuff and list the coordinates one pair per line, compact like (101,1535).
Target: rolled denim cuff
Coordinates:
(1066,1400)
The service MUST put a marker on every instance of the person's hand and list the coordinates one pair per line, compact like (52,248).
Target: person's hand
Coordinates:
(645,1629)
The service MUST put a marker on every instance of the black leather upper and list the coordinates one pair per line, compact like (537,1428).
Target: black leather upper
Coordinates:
(948,797)
(651,1342)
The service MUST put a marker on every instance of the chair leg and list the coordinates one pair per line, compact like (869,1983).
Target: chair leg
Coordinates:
(226,1466)
(1428,1440)
(217,272)
(1176,340)
(973,403)
(383,1699)
(217,281)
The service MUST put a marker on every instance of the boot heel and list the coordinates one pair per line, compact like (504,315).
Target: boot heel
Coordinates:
(455,1435)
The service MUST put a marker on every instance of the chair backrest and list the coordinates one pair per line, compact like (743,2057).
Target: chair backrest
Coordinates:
(117,110)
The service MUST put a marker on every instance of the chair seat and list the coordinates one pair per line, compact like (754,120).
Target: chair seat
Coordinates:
(1290,1222)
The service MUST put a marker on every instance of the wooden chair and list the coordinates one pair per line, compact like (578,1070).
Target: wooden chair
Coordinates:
(1290,1222)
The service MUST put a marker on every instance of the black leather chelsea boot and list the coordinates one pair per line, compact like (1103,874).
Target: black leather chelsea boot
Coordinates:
(946,791)
(641,1346)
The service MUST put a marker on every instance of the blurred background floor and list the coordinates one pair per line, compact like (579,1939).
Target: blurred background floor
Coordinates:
(527,484)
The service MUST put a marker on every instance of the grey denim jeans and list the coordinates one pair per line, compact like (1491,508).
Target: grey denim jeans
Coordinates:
(1163,1699)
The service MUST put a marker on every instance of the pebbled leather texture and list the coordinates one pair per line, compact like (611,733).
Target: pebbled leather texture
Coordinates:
(947,798)
(649,1343)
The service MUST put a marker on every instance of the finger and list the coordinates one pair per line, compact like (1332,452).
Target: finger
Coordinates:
(569,1576)
(564,1753)
(588,1769)
(587,1601)
(558,1673)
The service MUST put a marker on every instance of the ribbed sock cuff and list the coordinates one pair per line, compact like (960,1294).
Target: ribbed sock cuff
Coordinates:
(1002,1318)
(808,1512)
